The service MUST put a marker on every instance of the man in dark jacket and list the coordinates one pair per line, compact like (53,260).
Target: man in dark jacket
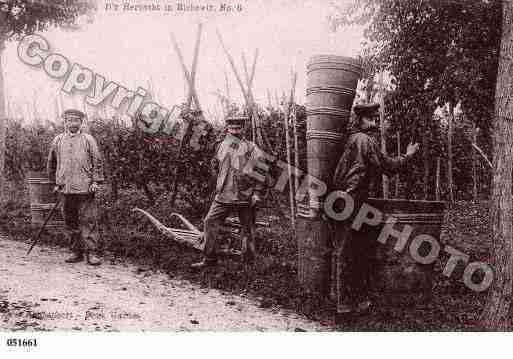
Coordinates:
(237,191)
(359,168)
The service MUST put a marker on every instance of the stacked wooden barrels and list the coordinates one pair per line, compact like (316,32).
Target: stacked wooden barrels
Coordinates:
(42,200)
(331,88)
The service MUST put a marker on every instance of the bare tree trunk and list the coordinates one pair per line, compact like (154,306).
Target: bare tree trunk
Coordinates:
(496,311)
(3,119)
(449,152)
(474,164)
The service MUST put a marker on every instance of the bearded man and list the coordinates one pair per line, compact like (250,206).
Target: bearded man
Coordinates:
(75,166)
(359,169)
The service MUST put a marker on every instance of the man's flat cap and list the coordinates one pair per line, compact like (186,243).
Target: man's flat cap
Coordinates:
(236,120)
(363,109)
(74,113)
(189,112)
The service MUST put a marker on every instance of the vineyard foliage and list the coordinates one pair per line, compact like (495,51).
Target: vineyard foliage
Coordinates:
(147,162)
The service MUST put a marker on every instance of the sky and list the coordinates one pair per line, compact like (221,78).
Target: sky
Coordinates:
(135,49)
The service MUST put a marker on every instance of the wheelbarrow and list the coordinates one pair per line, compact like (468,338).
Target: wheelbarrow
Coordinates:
(194,238)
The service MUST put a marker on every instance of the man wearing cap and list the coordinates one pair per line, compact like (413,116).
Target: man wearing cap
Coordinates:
(237,191)
(358,170)
(75,165)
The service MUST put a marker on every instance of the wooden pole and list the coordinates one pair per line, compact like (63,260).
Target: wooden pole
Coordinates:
(474,165)
(437,185)
(193,70)
(294,127)
(289,157)
(382,130)
(449,152)
(190,78)
(228,98)
(425,152)
(250,105)
(260,139)
(397,179)
(234,68)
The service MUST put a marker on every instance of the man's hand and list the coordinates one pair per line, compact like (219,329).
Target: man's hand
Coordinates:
(255,200)
(412,149)
(56,189)
(94,187)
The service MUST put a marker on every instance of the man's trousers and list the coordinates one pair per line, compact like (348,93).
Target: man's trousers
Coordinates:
(80,214)
(353,263)
(215,218)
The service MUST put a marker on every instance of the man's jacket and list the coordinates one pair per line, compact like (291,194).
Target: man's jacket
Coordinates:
(237,162)
(74,162)
(361,165)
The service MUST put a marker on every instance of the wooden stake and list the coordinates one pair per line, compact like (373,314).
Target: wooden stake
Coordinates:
(289,157)
(437,193)
(193,70)
(382,130)
(234,68)
(296,145)
(474,167)
(250,105)
(228,98)
(449,153)
(397,179)
(188,76)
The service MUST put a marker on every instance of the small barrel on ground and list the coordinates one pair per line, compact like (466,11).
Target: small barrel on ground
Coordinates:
(42,200)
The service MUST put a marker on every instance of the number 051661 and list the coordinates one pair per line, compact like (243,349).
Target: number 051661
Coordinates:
(19,342)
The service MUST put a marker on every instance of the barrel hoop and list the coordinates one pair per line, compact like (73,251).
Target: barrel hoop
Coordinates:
(330,65)
(41,206)
(340,90)
(331,136)
(39,181)
(311,111)
(418,218)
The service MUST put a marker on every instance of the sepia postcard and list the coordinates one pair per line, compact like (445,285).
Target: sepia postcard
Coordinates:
(253,166)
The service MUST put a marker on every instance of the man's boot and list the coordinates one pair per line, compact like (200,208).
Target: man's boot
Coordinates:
(206,262)
(75,258)
(93,260)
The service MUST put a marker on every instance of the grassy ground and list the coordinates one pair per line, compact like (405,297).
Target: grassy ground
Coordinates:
(273,277)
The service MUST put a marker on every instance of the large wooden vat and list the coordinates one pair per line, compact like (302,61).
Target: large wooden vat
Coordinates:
(42,200)
(331,88)
(397,271)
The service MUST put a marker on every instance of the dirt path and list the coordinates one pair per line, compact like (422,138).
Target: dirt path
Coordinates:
(41,292)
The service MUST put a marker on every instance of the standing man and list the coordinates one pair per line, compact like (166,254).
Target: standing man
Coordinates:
(359,168)
(236,190)
(75,165)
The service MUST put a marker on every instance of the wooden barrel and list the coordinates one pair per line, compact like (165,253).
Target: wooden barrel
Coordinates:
(399,272)
(331,88)
(42,200)
(314,251)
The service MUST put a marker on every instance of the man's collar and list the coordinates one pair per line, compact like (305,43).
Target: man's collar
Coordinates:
(70,134)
